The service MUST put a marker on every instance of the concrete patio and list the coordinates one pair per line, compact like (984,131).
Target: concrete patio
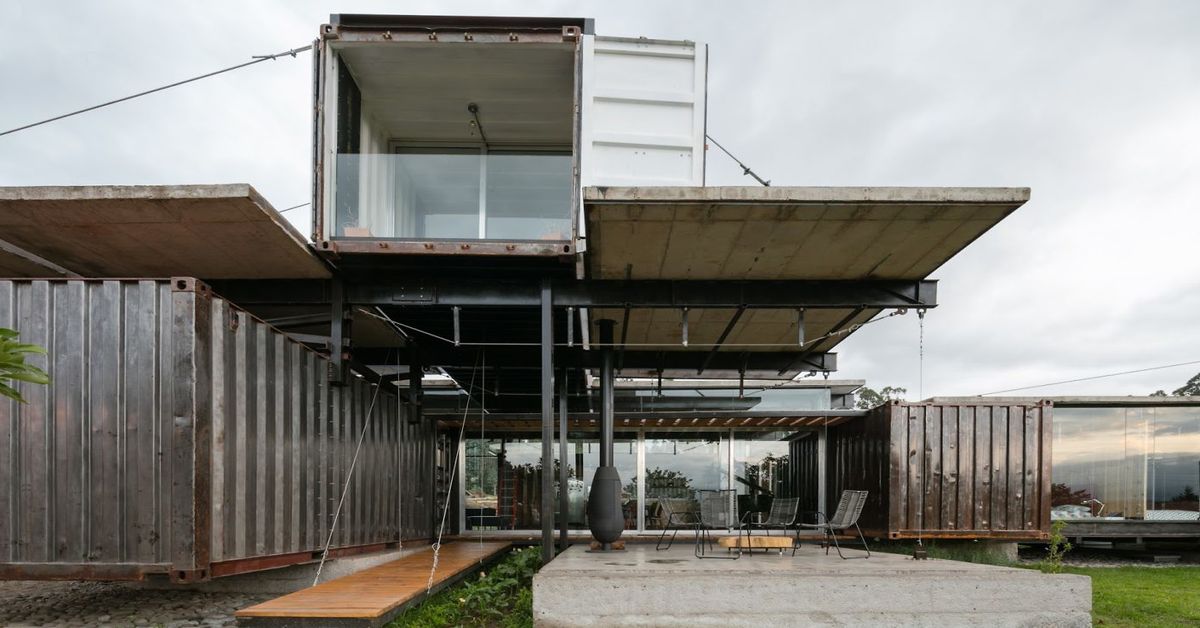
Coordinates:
(644,587)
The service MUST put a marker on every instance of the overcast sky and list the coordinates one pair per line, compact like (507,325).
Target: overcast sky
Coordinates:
(1094,105)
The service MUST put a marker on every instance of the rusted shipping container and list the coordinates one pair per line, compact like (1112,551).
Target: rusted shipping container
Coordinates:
(978,471)
(180,436)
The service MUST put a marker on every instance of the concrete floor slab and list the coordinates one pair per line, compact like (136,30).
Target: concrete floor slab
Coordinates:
(644,587)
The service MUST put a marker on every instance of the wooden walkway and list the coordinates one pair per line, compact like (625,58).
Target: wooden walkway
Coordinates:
(374,596)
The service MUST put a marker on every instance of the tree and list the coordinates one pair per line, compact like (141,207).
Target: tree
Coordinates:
(14,368)
(1191,388)
(868,398)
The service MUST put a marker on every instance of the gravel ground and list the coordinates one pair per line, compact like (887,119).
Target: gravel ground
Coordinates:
(1098,557)
(28,603)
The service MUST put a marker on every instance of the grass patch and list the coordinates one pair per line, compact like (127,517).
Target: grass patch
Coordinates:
(1143,596)
(501,596)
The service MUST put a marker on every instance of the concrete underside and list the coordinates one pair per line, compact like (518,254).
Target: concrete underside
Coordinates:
(644,587)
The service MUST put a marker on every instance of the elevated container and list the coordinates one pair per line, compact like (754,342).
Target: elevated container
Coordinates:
(474,135)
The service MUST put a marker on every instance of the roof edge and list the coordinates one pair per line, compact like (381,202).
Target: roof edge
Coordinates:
(806,194)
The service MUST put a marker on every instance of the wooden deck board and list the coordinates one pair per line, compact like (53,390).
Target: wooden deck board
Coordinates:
(371,595)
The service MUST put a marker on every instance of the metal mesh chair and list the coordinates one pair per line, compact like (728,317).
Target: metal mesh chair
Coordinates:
(673,522)
(849,509)
(716,512)
(783,515)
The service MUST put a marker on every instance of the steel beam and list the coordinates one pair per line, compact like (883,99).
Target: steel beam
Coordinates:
(837,327)
(596,293)
(635,362)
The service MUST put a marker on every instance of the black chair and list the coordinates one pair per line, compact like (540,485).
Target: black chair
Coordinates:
(849,509)
(673,522)
(716,513)
(783,515)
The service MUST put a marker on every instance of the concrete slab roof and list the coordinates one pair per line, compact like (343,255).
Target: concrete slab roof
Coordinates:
(745,233)
(206,231)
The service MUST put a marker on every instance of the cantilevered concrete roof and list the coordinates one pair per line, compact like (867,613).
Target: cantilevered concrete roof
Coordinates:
(205,231)
(734,233)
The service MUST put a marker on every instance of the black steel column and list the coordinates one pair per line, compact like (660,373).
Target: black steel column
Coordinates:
(547,424)
(606,392)
(564,498)
(604,502)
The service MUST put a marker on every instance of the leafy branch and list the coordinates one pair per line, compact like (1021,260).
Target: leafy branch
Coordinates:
(14,368)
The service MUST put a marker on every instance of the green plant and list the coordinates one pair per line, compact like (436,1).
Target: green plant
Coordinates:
(500,597)
(14,368)
(1057,548)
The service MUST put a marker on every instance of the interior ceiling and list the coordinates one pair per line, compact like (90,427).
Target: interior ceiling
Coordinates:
(793,233)
(203,231)
(525,91)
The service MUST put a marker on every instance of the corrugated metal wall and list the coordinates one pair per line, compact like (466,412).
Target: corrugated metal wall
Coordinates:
(973,470)
(101,477)
(946,471)
(83,477)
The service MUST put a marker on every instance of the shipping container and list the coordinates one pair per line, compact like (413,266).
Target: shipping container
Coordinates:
(474,135)
(182,437)
(967,471)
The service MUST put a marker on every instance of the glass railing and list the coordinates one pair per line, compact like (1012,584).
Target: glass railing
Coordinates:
(457,194)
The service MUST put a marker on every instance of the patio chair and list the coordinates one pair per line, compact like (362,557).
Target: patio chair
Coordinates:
(673,521)
(849,508)
(783,515)
(716,513)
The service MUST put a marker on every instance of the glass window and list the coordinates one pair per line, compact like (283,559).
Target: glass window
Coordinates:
(1126,463)
(761,469)
(583,460)
(528,196)
(453,194)
(678,465)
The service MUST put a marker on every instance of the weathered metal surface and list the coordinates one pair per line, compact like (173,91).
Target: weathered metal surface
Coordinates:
(947,471)
(180,431)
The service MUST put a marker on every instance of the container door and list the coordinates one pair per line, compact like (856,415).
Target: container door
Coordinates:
(643,112)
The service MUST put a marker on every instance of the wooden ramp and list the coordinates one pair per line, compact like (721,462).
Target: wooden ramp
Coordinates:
(373,597)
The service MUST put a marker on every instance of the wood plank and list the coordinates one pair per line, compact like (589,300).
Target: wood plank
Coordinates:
(372,595)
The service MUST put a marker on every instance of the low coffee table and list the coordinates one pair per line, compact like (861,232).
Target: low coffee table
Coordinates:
(752,543)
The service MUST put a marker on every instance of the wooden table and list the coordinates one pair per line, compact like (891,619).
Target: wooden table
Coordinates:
(752,543)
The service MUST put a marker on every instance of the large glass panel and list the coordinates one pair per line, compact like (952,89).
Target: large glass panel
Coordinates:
(1126,463)
(583,458)
(528,196)
(452,194)
(677,465)
(504,475)
(761,469)
(1173,471)
(503,484)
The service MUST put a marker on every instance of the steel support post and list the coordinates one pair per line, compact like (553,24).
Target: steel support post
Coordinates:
(564,500)
(606,393)
(547,423)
